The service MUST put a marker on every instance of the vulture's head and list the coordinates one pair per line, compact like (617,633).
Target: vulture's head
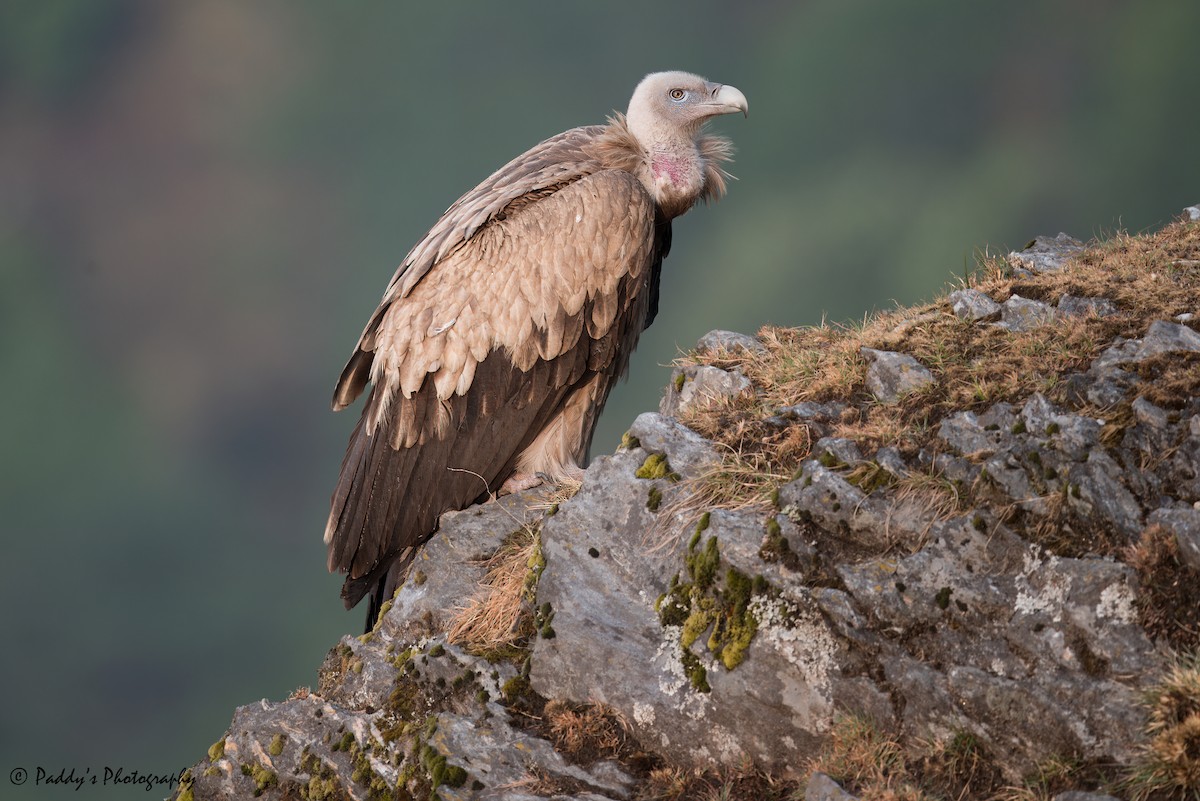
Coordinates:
(667,104)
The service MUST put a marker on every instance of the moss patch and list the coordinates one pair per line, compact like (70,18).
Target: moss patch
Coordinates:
(656,466)
(712,603)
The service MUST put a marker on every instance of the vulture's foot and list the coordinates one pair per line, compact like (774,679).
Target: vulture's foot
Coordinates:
(519,482)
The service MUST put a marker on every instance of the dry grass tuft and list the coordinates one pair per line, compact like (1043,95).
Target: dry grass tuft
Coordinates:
(744,782)
(586,733)
(862,757)
(1168,603)
(499,615)
(1169,766)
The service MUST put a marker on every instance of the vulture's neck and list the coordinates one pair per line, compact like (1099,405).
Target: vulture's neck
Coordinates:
(676,170)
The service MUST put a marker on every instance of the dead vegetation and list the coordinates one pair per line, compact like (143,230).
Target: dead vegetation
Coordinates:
(1169,764)
(1169,601)
(500,617)
(1148,277)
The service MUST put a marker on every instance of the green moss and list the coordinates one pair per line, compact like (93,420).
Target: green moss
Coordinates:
(542,620)
(1052,429)
(702,563)
(695,672)
(514,688)
(345,743)
(1019,427)
(775,498)
(216,750)
(629,442)
(262,777)
(654,499)
(437,650)
(735,625)
(656,466)
(705,604)
(828,460)
(697,622)
(185,786)
(276,746)
(942,599)
(419,578)
(978,523)
(679,381)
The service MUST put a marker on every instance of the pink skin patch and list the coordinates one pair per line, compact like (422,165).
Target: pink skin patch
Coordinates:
(673,168)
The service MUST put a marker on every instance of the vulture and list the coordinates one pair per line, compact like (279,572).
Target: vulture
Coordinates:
(502,332)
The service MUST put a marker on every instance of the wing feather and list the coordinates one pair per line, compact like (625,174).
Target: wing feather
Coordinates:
(470,367)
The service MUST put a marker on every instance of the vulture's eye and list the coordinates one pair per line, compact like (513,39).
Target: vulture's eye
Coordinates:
(677,94)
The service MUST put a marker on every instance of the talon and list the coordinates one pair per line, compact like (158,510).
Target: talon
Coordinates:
(519,482)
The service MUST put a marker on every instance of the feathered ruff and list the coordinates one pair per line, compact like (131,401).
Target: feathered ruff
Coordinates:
(618,149)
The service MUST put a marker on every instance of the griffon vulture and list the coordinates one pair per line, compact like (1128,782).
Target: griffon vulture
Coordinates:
(504,329)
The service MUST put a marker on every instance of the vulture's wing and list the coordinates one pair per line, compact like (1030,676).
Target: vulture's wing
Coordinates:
(527,317)
(549,165)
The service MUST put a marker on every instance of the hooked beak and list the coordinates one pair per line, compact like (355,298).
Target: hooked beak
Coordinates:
(726,100)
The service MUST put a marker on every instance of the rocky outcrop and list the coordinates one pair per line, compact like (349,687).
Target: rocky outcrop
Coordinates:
(997,586)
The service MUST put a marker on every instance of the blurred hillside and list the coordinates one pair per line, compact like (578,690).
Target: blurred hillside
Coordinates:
(200,204)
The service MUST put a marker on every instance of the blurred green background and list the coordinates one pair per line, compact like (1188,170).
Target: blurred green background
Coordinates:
(201,202)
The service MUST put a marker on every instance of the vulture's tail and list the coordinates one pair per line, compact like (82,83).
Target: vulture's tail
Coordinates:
(379,586)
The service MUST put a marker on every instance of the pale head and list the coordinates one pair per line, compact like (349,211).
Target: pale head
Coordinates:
(669,106)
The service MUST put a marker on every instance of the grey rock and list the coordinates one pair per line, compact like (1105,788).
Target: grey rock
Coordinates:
(689,454)
(891,375)
(1185,469)
(966,434)
(971,304)
(1022,314)
(890,460)
(718,341)
(1108,386)
(1161,337)
(1046,254)
(821,787)
(808,410)
(1079,795)
(1098,491)
(1192,212)
(1164,337)
(1070,434)
(818,417)
(703,384)
(1184,523)
(1086,307)
(1186,317)
(612,646)
(842,450)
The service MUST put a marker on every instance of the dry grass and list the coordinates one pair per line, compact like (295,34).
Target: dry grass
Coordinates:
(1169,764)
(1168,602)
(975,365)
(499,615)
(587,733)
(874,766)
(743,782)
(866,761)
